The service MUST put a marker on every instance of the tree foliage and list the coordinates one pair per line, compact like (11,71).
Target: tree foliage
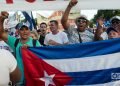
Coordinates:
(107,14)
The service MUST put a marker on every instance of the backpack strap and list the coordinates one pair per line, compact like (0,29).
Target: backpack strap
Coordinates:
(15,45)
(17,41)
(34,42)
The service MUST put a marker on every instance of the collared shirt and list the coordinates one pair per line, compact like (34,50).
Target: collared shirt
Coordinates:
(73,35)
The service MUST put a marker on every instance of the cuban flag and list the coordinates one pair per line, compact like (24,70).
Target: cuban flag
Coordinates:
(85,64)
(29,20)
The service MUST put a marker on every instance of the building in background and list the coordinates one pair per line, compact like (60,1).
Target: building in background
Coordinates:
(57,16)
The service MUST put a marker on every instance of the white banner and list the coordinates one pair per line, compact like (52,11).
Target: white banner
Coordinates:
(14,5)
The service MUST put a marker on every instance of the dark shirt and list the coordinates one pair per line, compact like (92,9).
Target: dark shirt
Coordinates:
(41,40)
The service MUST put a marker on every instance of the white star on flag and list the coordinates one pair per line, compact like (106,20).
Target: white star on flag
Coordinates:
(48,79)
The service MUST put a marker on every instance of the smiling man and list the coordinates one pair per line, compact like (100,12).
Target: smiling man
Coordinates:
(24,41)
(55,37)
(79,34)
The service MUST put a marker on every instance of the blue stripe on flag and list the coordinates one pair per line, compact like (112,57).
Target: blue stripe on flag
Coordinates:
(78,50)
(95,77)
(104,71)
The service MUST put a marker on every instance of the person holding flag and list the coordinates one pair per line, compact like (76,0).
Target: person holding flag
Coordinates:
(24,41)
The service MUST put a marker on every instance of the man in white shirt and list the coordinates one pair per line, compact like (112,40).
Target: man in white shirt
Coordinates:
(8,68)
(55,37)
(5,46)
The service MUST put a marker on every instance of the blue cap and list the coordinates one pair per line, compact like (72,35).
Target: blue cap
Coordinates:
(110,29)
(20,25)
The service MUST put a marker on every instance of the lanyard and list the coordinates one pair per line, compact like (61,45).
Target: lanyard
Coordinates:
(80,40)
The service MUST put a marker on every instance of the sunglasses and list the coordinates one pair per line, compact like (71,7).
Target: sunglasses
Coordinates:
(81,20)
(115,22)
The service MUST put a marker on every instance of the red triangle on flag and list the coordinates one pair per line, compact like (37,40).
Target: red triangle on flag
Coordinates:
(35,70)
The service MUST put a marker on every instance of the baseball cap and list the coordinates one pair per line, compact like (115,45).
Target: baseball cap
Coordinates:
(20,25)
(82,17)
(110,29)
(115,18)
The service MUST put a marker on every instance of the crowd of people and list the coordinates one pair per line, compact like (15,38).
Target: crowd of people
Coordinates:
(41,37)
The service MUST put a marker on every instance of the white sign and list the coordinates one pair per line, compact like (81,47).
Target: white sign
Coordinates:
(16,5)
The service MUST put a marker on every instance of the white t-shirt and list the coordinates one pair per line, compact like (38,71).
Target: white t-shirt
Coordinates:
(60,37)
(5,46)
(104,36)
(7,65)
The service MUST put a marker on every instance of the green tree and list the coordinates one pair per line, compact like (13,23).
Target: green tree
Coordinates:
(107,14)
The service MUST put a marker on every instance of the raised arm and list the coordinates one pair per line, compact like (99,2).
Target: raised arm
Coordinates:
(3,16)
(100,29)
(64,19)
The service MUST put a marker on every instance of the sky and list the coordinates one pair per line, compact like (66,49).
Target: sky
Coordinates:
(89,13)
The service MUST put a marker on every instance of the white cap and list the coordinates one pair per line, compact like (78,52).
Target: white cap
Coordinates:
(115,17)
(82,16)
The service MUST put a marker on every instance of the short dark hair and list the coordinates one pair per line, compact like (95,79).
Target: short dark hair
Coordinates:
(43,23)
(55,21)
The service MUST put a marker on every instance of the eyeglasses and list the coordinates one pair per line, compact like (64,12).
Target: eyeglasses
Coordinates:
(115,22)
(81,20)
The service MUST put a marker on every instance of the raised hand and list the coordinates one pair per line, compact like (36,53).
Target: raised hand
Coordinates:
(3,16)
(100,21)
(73,2)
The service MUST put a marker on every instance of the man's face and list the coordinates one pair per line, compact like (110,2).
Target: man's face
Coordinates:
(81,24)
(24,33)
(53,26)
(113,34)
(43,29)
